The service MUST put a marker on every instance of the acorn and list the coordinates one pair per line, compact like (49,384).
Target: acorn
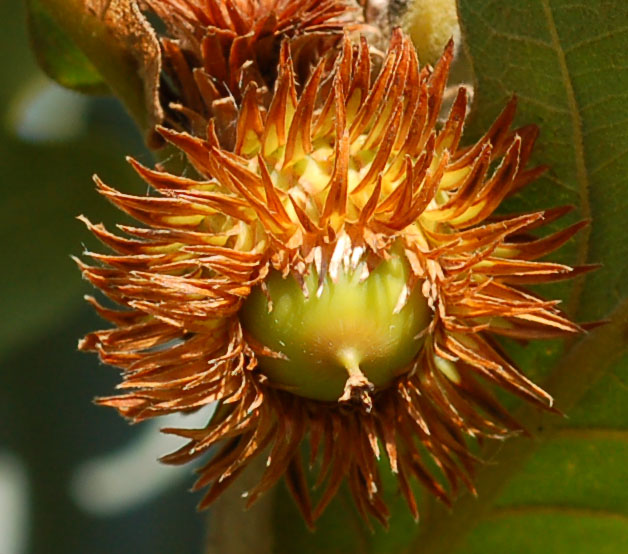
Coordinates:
(343,338)
(336,278)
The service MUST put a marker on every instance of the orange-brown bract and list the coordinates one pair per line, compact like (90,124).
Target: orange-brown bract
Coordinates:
(348,165)
(218,48)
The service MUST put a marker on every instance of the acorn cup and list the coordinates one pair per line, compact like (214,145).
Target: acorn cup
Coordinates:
(333,274)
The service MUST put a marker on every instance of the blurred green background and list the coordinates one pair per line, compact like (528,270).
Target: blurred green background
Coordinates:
(74,478)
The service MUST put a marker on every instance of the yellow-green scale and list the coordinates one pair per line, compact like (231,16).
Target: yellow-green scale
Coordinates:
(349,327)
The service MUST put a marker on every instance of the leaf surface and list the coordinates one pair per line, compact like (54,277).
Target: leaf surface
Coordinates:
(88,43)
(59,56)
(561,491)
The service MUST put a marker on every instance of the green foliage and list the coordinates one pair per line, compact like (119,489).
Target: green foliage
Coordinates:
(58,55)
(92,45)
(567,61)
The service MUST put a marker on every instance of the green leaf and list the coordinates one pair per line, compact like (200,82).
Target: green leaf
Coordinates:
(563,489)
(83,41)
(59,56)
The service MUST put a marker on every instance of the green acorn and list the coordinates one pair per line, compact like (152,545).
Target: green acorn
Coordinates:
(342,338)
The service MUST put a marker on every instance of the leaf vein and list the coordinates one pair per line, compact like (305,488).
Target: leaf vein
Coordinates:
(578,144)
(609,161)
(593,40)
(603,100)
